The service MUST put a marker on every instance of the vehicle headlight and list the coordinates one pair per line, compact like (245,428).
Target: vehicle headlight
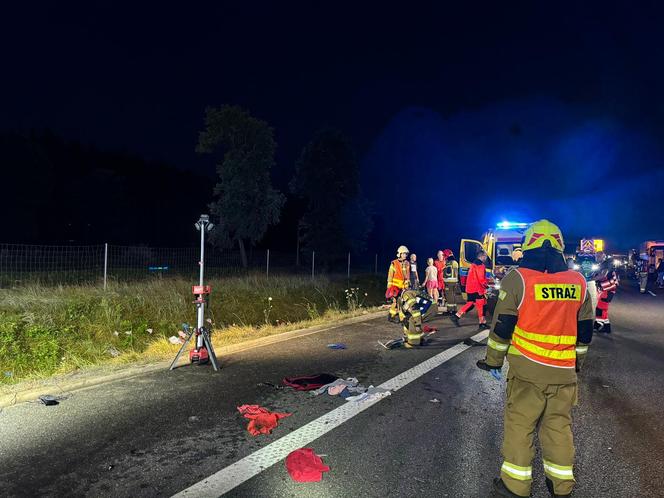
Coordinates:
(577,267)
(594,267)
(616,262)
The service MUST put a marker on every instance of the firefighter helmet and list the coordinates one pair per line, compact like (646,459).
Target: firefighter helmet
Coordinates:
(447,253)
(402,250)
(540,232)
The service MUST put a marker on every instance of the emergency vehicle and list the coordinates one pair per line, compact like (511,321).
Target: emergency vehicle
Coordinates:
(651,251)
(498,243)
(585,262)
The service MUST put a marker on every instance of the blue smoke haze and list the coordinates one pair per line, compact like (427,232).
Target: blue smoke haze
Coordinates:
(434,180)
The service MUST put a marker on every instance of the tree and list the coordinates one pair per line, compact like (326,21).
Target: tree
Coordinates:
(245,202)
(327,176)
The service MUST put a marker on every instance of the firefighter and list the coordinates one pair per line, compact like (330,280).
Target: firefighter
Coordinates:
(517,254)
(607,282)
(543,322)
(411,306)
(397,281)
(476,286)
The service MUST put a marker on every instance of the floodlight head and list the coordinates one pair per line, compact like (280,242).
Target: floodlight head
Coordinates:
(204,218)
(197,225)
(210,226)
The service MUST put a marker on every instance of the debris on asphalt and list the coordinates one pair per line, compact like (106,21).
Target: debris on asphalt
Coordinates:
(605,386)
(194,418)
(652,293)
(428,329)
(309,382)
(269,384)
(393,344)
(434,400)
(372,393)
(337,345)
(304,465)
(351,385)
(472,342)
(49,400)
(262,420)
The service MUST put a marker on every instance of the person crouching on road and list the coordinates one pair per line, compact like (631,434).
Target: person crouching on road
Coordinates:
(431,280)
(397,281)
(414,276)
(543,324)
(476,285)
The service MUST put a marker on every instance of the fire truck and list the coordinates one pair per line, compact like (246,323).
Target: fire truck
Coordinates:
(498,243)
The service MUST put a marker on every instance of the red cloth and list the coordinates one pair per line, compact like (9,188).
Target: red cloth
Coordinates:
(262,420)
(476,282)
(440,265)
(304,465)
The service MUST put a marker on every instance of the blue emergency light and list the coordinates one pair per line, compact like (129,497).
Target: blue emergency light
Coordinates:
(511,224)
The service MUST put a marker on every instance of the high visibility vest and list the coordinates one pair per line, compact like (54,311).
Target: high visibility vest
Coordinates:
(395,277)
(545,331)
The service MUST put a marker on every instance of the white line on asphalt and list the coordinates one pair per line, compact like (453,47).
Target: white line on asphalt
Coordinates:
(235,474)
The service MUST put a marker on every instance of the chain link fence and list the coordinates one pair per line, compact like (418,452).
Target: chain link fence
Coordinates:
(23,264)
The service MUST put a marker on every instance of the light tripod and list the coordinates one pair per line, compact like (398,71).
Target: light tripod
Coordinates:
(203,350)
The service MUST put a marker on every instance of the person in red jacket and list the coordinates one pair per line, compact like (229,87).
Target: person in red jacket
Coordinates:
(476,285)
(439,263)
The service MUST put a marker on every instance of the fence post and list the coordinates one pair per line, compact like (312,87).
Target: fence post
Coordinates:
(105,263)
(313,263)
(349,266)
(267,265)
(376,265)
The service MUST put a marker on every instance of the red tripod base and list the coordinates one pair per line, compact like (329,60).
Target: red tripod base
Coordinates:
(198,355)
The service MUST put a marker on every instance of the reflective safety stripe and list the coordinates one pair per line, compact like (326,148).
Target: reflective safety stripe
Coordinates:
(517,472)
(415,313)
(546,353)
(581,349)
(497,345)
(549,339)
(560,471)
(514,351)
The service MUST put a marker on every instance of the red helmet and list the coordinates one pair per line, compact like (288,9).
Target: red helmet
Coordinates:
(447,253)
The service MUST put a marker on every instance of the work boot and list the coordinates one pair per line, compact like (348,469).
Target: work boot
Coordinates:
(499,489)
(483,326)
(455,319)
(549,486)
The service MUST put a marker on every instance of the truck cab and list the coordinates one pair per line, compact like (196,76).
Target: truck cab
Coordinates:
(498,243)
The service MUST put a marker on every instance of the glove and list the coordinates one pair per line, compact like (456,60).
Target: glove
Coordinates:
(392,291)
(494,371)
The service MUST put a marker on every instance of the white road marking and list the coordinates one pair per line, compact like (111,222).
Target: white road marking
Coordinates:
(235,474)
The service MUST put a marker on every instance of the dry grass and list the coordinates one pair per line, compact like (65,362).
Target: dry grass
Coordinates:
(54,330)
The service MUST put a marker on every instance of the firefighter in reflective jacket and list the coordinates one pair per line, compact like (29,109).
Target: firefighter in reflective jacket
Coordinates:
(607,282)
(543,324)
(411,305)
(397,281)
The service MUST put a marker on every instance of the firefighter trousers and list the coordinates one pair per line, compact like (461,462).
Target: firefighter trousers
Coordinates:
(528,406)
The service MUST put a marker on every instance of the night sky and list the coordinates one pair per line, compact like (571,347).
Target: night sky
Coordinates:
(467,115)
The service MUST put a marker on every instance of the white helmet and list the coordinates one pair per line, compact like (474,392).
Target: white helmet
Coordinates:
(402,250)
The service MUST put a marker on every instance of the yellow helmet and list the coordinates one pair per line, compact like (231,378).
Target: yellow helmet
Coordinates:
(541,231)
(402,250)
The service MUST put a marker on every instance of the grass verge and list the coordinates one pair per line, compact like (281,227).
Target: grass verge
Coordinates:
(46,331)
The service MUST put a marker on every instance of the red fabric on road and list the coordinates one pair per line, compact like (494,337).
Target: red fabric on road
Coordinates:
(262,420)
(304,465)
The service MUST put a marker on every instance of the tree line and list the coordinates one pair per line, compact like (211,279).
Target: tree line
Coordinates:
(64,192)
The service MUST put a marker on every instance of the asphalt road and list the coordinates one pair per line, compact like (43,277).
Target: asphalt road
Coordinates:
(158,434)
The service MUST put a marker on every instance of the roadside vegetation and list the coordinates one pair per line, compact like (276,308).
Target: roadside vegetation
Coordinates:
(53,330)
